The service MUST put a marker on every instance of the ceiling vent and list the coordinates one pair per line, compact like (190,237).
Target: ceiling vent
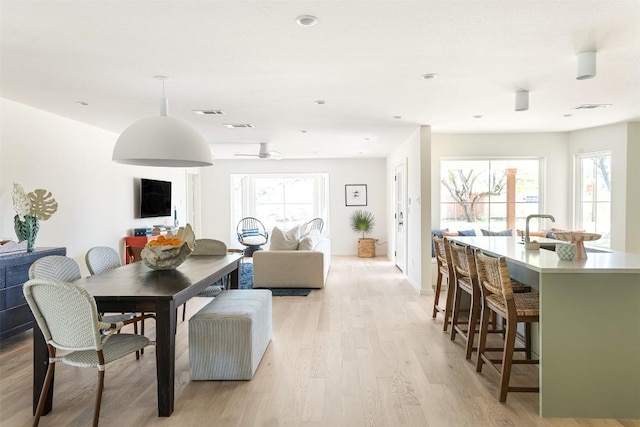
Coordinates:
(208,112)
(592,106)
(238,125)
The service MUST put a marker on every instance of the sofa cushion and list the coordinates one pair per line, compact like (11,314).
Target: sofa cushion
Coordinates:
(285,241)
(496,233)
(310,241)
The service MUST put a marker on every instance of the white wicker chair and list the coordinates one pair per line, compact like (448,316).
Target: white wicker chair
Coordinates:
(207,247)
(68,318)
(65,269)
(316,224)
(101,258)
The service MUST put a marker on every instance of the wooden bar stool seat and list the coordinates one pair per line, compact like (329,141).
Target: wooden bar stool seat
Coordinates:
(498,297)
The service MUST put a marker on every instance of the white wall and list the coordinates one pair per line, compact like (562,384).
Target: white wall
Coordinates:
(408,152)
(552,147)
(72,160)
(215,184)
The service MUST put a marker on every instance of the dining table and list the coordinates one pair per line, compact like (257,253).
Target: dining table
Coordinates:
(138,288)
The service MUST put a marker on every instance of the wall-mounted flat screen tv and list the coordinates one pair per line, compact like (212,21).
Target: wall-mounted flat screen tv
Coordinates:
(155,198)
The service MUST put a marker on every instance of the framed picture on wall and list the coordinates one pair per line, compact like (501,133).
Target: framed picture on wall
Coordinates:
(355,194)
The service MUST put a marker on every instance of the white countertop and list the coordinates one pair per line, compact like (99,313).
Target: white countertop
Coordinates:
(543,260)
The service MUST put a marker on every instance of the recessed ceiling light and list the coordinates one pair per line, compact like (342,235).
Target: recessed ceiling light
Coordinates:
(396,117)
(208,112)
(307,20)
(429,76)
(83,103)
(366,138)
(320,102)
(567,115)
(303,131)
(477,116)
(592,106)
(237,125)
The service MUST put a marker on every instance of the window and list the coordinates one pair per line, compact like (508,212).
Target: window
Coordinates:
(594,196)
(282,200)
(490,194)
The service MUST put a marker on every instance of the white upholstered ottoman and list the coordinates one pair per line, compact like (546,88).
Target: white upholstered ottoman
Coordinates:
(228,336)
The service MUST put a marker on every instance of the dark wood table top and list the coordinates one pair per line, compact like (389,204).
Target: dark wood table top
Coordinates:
(137,282)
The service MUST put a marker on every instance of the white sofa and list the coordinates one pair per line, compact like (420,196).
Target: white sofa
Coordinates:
(292,268)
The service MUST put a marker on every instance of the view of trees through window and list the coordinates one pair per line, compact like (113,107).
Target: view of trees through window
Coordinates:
(594,196)
(488,194)
(282,200)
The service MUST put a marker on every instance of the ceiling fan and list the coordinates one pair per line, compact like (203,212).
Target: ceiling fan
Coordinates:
(264,153)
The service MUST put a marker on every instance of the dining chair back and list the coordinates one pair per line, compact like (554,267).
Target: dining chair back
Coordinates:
(56,267)
(205,247)
(101,258)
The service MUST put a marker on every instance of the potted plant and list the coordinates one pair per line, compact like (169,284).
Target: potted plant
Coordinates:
(362,222)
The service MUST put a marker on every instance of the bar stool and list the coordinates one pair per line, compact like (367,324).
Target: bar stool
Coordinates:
(465,280)
(445,271)
(498,297)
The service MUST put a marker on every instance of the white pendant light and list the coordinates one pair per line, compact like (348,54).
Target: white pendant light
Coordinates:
(586,65)
(162,141)
(522,100)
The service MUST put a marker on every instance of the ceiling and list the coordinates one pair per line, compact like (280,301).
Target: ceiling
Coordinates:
(365,59)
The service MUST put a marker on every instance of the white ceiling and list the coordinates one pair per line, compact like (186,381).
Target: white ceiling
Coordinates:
(366,59)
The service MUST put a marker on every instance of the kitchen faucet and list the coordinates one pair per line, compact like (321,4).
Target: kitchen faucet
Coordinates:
(527,239)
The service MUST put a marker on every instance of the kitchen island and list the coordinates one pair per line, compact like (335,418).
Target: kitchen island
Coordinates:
(589,330)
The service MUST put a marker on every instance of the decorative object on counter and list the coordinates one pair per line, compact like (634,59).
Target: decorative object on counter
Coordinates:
(577,238)
(168,252)
(9,247)
(566,251)
(363,221)
(30,209)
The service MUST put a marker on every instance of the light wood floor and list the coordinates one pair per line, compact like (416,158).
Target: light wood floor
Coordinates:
(364,351)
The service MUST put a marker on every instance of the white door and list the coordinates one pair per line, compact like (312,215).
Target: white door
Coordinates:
(400,217)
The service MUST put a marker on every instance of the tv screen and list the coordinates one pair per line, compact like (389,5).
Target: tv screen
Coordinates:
(155,198)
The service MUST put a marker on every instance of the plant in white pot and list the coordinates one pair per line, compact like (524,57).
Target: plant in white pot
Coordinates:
(362,222)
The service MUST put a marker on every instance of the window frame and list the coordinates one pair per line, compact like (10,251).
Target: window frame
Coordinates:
(579,223)
(541,187)
(246,184)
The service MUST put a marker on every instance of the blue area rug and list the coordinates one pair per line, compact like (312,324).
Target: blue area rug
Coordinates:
(246,282)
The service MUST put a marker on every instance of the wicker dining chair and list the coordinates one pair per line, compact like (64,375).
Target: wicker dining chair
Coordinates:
(68,318)
(445,272)
(498,297)
(63,268)
(101,258)
(207,247)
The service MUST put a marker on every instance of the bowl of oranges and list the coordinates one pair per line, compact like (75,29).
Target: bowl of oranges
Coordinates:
(168,252)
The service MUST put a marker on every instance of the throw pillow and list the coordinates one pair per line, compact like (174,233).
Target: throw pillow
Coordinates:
(497,233)
(467,232)
(439,234)
(310,241)
(284,241)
